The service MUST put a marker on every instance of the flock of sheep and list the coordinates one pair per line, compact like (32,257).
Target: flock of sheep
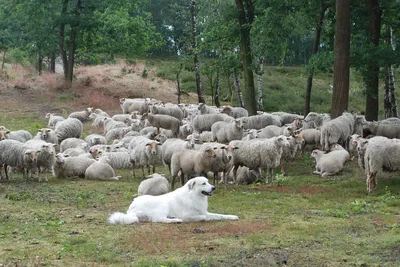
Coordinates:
(224,143)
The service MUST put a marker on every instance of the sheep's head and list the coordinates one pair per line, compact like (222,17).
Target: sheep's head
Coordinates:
(3,135)
(226,109)
(31,155)
(152,147)
(228,151)
(239,123)
(201,105)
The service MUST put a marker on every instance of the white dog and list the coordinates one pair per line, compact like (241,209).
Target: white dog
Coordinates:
(186,204)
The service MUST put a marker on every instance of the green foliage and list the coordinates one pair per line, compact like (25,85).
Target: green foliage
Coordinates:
(18,196)
(18,56)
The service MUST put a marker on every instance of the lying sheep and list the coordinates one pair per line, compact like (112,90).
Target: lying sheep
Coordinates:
(188,161)
(204,109)
(380,155)
(83,115)
(76,151)
(95,139)
(53,120)
(118,160)
(155,185)
(19,135)
(48,135)
(339,152)
(244,175)
(68,128)
(326,164)
(66,166)
(101,170)
(204,122)
(16,154)
(72,143)
(224,132)
(235,112)
(163,121)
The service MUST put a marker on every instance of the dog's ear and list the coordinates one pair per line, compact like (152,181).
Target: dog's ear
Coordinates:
(191,184)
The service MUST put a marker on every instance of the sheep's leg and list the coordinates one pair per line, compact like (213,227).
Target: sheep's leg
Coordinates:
(215,177)
(143,172)
(148,169)
(371,181)
(283,167)
(172,182)
(272,175)
(154,168)
(325,174)
(266,175)
(235,168)
(183,178)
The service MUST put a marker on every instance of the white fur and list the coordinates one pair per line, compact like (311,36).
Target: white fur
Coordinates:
(186,204)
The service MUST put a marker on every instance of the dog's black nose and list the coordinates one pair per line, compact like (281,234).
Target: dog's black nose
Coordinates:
(213,188)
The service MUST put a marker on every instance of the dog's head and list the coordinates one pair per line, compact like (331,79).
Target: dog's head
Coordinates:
(200,185)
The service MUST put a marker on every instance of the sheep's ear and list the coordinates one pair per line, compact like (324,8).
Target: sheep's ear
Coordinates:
(191,184)
(147,144)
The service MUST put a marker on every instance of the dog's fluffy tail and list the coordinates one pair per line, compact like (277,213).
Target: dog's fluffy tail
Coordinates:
(123,218)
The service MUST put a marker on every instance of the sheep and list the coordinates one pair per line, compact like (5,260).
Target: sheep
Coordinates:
(204,122)
(250,134)
(313,120)
(131,105)
(72,143)
(68,128)
(273,130)
(206,136)
(245,175)
(339,152)
(188,161)
(337,130)
(204,109)
(98,121)
(260,121)
(101,170)
(121,117)
(174,144)
(259,153)
(118,160)
(48,135)
(16,154)
(163,121)
(155,185)
(185,130)
(288,118)
(387,130)
(353,145)
(223,160)
(326,164)
(92,154)
(171,110)
(100,112)
(19,135)
(312,136)
(116,133)
(380,155)
(3,134)
(53,120)
(112,124)
(76,151)
(235,112)
(66,166)
(224,132)
(296,142)
(95,139)
(145,152)
(46,157)
(83,115)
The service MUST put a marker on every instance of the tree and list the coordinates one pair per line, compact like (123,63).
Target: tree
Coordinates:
(371,77)
(341,72)
(245,19)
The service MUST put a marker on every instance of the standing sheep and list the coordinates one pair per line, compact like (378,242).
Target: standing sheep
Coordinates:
(19,135)
(235,112)
(204,122)
(204,109)
(48,135)
(171,110)
(131,105)
(224,132)
(163,121)
(46,157)
(171,145)
(337,130)
(260,121)
(68,128)
(83,115)
(53,120)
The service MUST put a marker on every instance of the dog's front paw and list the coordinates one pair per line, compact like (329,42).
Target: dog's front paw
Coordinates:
(232,217)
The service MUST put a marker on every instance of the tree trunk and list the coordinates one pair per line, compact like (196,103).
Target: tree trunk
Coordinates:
(53,63)
(237,86)
(217,90)
(246,17)
(390,99)
(371,78)
(4,59)
(72,42)
(260,72)
(179,83)
(61,40)
(317,39)
(200,93)
(340,96)
(39,63)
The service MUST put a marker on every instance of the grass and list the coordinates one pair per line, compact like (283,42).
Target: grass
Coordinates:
(301,221)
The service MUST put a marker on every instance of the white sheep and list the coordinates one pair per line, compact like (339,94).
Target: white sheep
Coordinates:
(224,132)
(296,142)
(204,109)
(289,118)
(131,105)
(95,139)
(235,112)
(337,130)
(260,121)
(83,115)
(68,128)
(171,110)
(53,120)
(48,135)
(112,124)
(326,164)
(116,133)
(72,143)
(273,130)
(66,166)
(188,161)
(174,144)
(101,170)
(312,136)
(16,154)
(386,130)
(76,151)
(380,154)
(204,122)
(155,185)
(185,130)
(46,157)
(244,175)
(19,135)
(314,120)
(145,152)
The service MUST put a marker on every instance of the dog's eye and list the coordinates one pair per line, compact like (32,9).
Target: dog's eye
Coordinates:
(204,183)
